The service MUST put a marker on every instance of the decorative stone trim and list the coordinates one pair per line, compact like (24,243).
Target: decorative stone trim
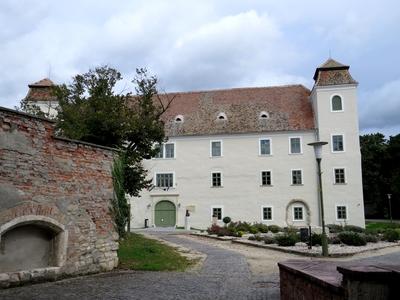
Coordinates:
(289,222)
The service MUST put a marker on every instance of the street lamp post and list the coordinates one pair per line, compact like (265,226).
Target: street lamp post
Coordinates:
(318,155)
(390,207)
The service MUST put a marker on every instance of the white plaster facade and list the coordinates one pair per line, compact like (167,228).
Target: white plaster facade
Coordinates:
(242,197)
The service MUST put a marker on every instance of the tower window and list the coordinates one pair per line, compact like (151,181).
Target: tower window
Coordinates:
(337,104)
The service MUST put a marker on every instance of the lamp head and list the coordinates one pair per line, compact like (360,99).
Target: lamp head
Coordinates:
(318,148)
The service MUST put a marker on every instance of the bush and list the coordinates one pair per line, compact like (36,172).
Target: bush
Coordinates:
(352,238)
(274,228)
(220,231)
(226,220)
(252,238)
(316,239)
(269,240)
(286,240)
(261,227)
(353,228)
(253,230)
(334,228)
(258,237)
(291,230)
(391,235)
(241,226)
(371,238)
(334,240)
(214,229)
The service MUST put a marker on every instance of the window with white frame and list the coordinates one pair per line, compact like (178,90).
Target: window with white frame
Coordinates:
(295,145)
(267,213)
(164,180)
(217,213)
(266,178)
(265,147)
(337,104)
(216,179)
(340,177)
(297,177)
(341,212)
(337,143)
(298,213)
(216,148)
(166,150)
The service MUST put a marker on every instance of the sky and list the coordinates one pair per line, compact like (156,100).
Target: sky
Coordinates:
(207,44)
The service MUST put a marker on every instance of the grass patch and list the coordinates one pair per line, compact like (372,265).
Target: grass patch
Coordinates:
(381,225)
(139,253)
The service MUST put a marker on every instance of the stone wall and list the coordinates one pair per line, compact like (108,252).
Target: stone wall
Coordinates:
(61,185)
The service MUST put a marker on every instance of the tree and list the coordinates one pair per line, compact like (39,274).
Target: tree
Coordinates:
(91,111)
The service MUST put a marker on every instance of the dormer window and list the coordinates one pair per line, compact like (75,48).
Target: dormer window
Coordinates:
(179,119)
(222,116)
(264,115)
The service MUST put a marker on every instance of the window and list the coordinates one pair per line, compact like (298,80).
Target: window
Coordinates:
(166,150)
(265,147)
(341,212)
(298,213)
(267,213)
(339,176)
(295,145)
(337,104)
(221,116)
(164,180)
(217,212)
(216,179)
(179,119)
(266,178)
(337,143)
(216,148)
(297,177)
(264,115)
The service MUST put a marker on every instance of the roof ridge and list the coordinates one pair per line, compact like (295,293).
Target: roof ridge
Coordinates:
(240,88)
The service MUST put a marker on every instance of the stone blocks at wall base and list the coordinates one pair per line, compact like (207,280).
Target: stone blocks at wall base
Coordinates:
(55,199)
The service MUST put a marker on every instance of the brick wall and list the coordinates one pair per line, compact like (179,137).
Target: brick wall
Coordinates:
(66,182)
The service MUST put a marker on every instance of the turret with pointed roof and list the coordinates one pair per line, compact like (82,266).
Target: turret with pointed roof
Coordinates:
(41,91)
(332,72)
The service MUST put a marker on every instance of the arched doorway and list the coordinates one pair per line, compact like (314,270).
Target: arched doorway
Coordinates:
(165,214)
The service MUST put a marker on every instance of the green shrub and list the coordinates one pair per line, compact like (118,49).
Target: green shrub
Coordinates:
(316,239)
(391,235)
(259,238)
(291,230)
(352,238)
(334,240)
(226,220)
(269,240)
(241,226)
(370,238)
(252,238)
(286,240)
(239,233)
(261,227)
(253,230)
(334,228)
(274,228)
(353,228)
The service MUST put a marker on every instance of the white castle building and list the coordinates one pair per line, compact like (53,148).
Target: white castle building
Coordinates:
(243,153)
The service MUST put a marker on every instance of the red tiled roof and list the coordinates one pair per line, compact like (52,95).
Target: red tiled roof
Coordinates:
(288,107)
(41,91)
(42,83)
(332,72)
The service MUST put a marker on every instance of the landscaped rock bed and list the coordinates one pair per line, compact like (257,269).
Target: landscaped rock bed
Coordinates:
(335,250)
(344,240)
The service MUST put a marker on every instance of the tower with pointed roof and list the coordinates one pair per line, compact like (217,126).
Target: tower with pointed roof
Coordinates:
(334,99)
(40,95)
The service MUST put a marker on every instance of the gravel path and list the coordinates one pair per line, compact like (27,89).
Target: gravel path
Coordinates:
(224,275)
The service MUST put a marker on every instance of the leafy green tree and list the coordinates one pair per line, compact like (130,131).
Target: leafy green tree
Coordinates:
(90,110)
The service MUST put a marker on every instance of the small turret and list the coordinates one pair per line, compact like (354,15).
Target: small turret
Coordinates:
(41,91)
(333,73)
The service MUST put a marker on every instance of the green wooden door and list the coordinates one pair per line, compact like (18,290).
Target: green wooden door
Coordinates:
(165,214)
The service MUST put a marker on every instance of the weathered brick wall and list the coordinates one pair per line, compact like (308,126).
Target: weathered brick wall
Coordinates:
(62,180)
